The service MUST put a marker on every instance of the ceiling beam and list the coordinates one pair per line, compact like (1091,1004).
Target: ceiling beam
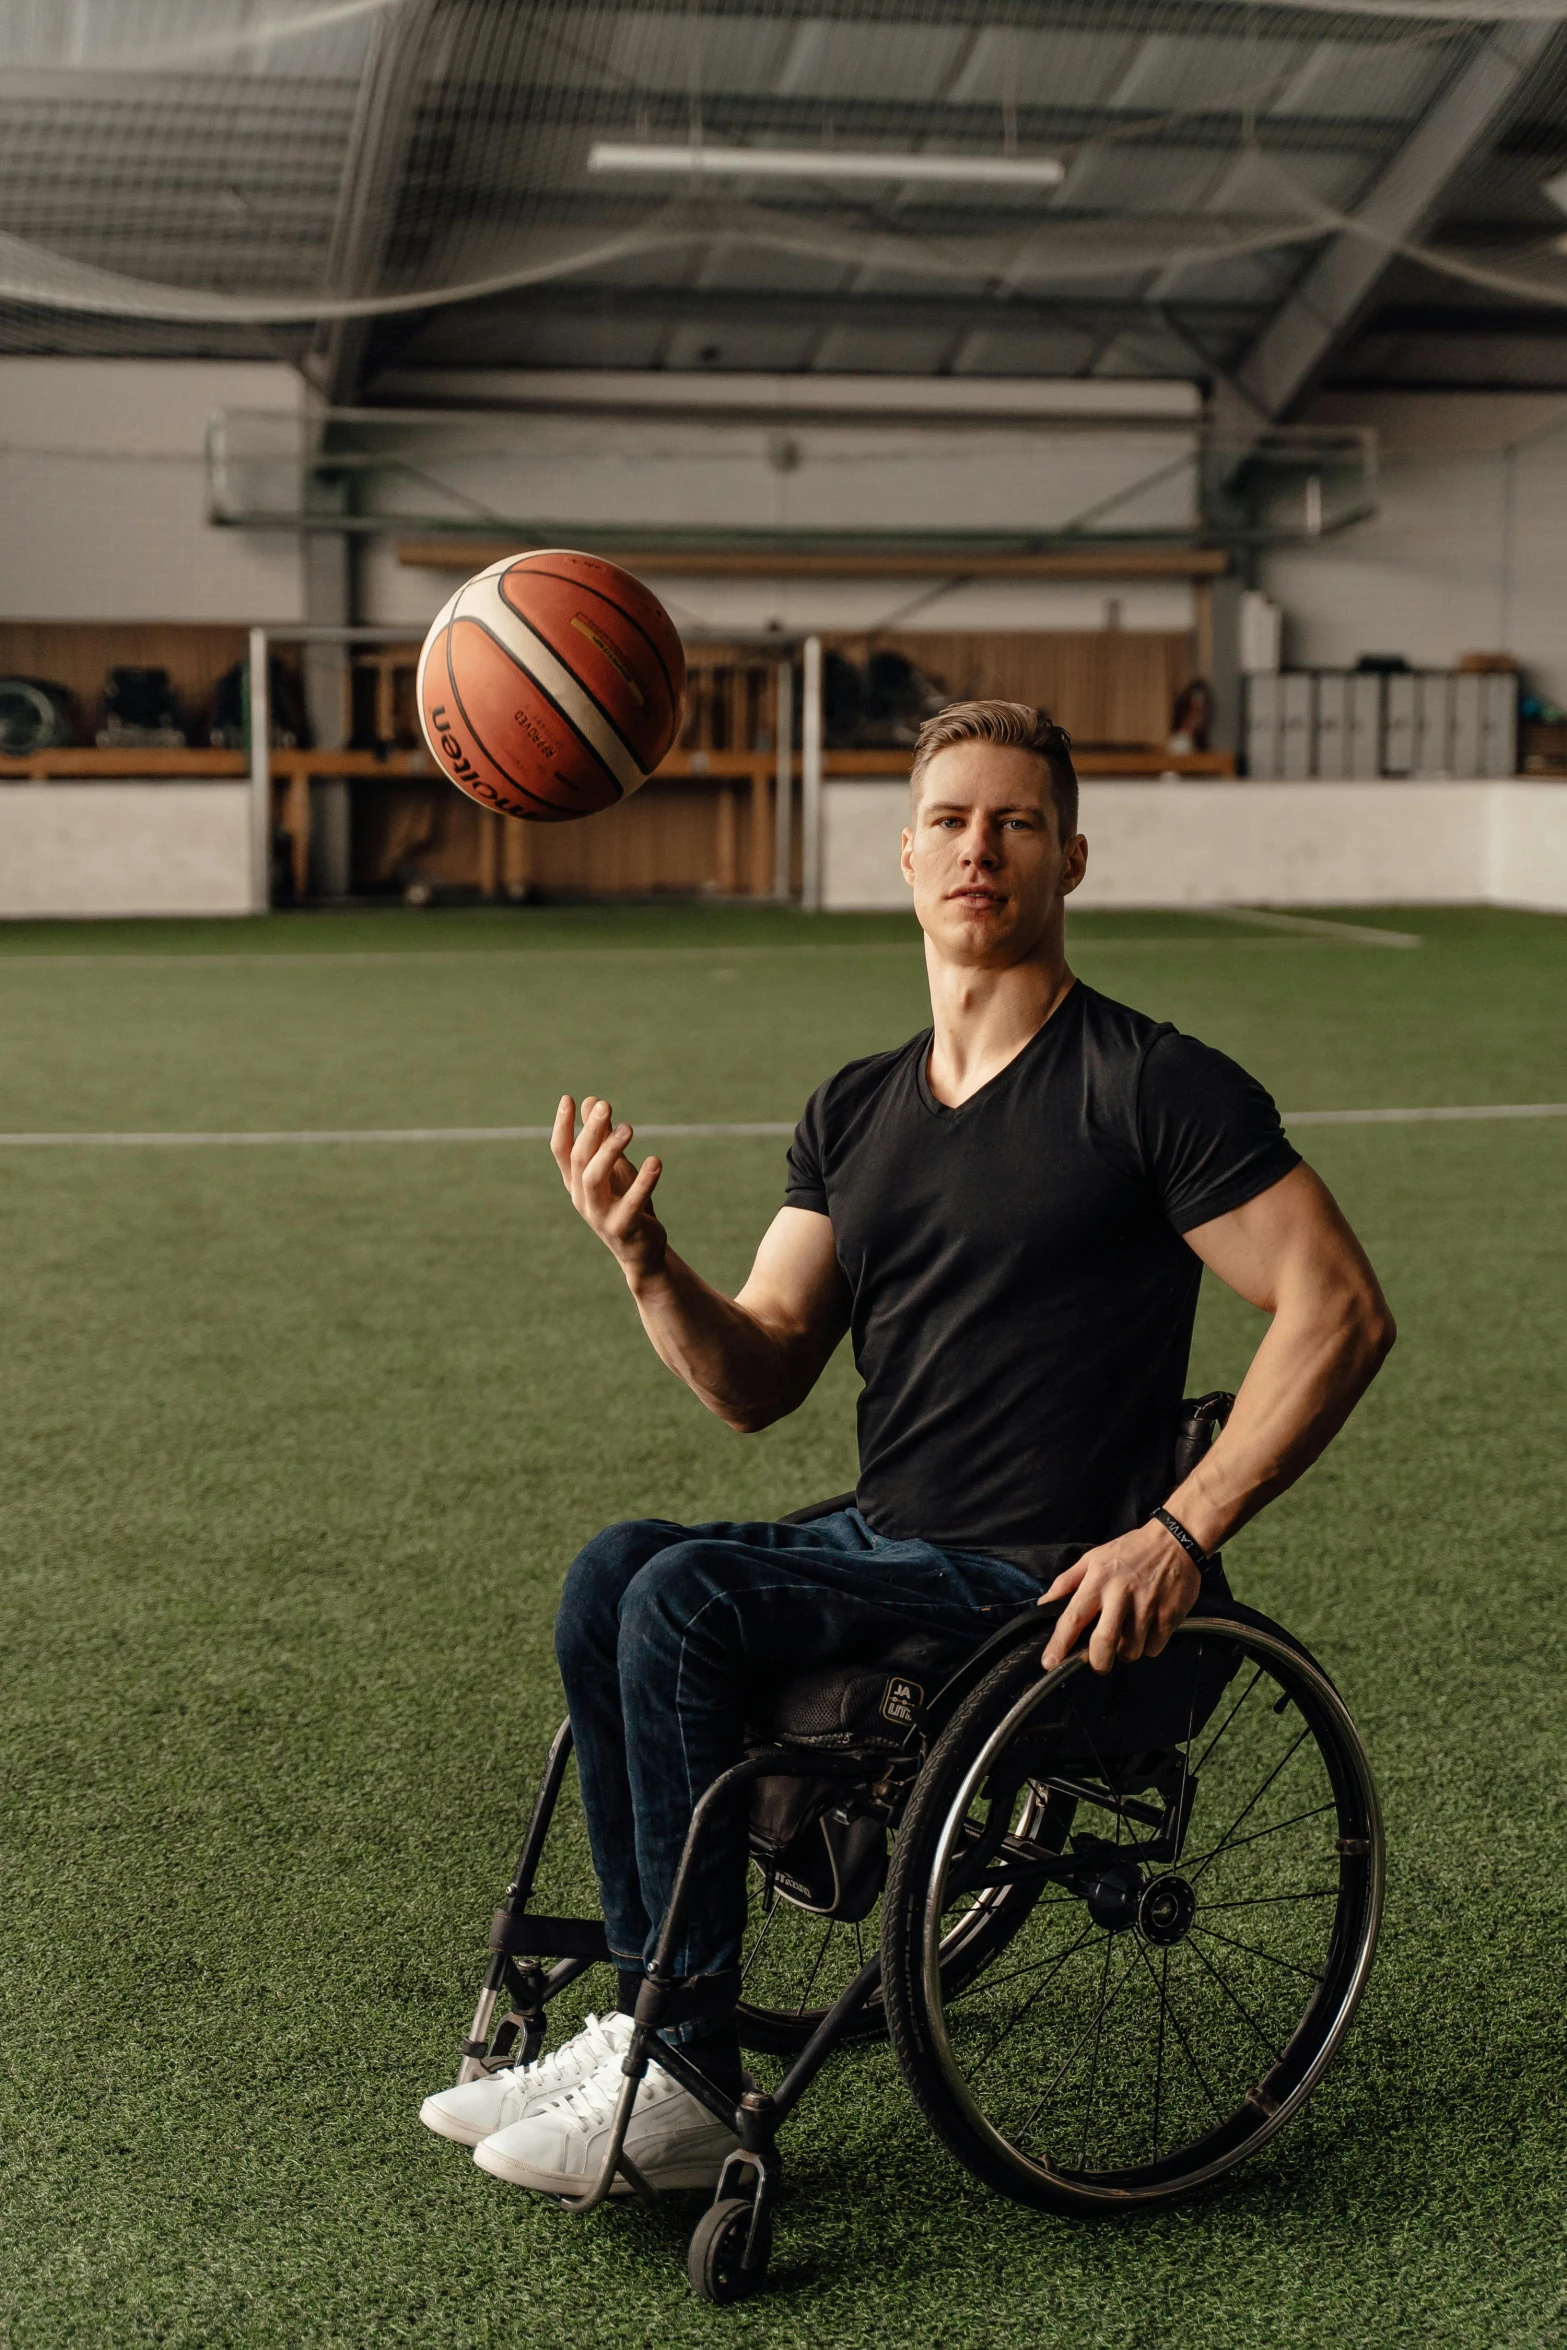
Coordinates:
(1331,298)
(779,559)
(773,306)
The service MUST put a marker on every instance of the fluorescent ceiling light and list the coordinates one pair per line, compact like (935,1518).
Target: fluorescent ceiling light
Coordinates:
(826,163)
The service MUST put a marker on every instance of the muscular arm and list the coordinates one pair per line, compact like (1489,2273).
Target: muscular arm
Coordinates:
(1291,1253)
(751,1359)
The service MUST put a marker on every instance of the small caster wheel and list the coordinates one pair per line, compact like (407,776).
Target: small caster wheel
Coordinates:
(717,2253)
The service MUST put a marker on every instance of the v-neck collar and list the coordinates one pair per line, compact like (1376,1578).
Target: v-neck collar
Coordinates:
(1050,1026)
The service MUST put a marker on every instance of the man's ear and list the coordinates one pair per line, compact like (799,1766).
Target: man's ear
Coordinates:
(1074,863)
(904,855)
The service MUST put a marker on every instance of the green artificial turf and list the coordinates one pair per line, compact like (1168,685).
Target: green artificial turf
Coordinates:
(298,1442)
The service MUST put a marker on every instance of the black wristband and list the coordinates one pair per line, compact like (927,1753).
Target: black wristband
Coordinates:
(1188,1542)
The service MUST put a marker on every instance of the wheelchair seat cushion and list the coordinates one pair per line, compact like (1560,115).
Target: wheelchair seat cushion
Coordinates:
(834,1709)
(838,1708)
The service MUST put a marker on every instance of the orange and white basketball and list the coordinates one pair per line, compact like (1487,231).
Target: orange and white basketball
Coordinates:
(551,685)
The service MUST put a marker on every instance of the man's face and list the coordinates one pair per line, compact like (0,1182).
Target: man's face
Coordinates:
(981,853)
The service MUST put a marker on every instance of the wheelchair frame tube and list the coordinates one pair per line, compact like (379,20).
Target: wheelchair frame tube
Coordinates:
(615,2157)
(775,1762)
(658,1988)
(823,2040)
(476,2047)
(521,1886)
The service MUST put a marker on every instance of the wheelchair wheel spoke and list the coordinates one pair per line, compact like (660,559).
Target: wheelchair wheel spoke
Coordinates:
(1094,2029)
(1248,1808)
(1273,1900)
(1036,1994)
(1231,1843)
(1238,2004)
(1158,2069)
(1229,1717)
(1093,2062)
(755,1951)
(1254,1950)
(1099,1767)
(1167,2005)
(999,1982)
(1186,1763)
(810,1980)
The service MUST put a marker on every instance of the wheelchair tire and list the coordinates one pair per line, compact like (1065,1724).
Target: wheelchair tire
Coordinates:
(716,2264)
(1249,1935)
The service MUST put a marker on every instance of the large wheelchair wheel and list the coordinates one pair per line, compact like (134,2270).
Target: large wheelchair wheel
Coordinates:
(795,1962)
(1201,1845)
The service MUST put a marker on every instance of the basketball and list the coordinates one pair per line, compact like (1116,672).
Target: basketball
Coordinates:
(551,686)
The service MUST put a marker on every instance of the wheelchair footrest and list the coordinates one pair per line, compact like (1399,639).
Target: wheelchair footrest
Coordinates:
(527,1935)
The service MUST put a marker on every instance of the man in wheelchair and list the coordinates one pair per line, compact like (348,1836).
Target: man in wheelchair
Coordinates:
(1010,1214)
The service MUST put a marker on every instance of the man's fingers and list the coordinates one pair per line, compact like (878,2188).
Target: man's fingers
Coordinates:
(1075,1618)
(1105,1645)
(637,1193)
(598,1170)
(1067,1581)
(562,1135)
(1160,1625)
(595,1117)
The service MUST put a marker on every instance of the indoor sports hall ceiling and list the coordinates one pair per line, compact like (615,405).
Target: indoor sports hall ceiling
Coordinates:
(391,189)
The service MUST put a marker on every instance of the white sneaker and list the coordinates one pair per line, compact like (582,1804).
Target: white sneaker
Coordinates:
(558,2148)
(473,2109)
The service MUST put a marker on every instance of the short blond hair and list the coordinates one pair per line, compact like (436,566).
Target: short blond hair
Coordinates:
(1016,726)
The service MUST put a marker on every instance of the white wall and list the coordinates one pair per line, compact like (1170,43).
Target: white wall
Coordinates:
(1466,551)
(77,849)
(1199,843)
(102,494)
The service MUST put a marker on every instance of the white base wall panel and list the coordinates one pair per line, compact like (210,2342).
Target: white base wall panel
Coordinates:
(1529,846)
(104,849)
(1200,843)
(1197,843)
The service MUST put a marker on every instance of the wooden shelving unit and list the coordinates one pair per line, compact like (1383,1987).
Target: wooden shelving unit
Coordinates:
(107,766)
(1134,761)
(708,821)
(79,654)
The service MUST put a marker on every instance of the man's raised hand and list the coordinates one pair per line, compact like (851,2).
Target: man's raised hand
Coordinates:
(613,1198)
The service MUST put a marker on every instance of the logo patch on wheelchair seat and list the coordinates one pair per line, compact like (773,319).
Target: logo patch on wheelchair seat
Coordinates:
(902,1701)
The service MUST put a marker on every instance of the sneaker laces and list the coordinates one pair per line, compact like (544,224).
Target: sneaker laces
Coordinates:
(595,2099)
(551,2069)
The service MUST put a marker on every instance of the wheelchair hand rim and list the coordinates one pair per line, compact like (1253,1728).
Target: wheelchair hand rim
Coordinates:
(1252,2133)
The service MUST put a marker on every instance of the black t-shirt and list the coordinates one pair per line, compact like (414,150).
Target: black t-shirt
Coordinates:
(1022,1299)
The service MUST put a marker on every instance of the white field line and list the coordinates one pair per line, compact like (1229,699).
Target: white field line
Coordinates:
(1300,930)
(768,1129)
(1310,925)
(330,1134)
(1436,1115)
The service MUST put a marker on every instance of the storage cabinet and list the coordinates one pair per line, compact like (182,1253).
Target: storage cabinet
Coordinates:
(1339,725)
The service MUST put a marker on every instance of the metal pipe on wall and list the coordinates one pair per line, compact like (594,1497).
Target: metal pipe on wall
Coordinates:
(260,715)
(811,779)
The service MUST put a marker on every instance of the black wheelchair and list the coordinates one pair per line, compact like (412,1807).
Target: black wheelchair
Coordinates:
(1115,1926)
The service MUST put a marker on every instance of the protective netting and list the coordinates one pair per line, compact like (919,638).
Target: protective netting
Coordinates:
(262,167)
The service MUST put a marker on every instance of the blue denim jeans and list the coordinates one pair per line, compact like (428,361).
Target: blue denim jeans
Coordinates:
(663,1628)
